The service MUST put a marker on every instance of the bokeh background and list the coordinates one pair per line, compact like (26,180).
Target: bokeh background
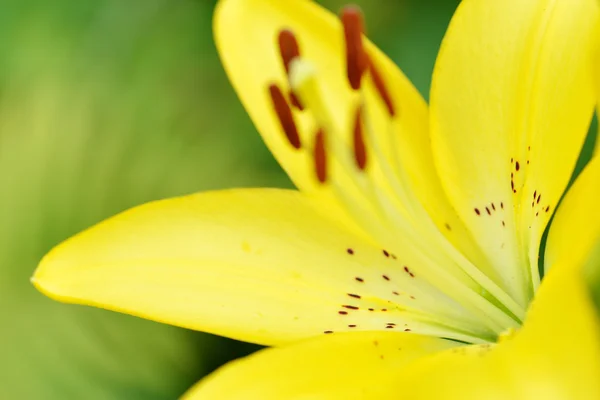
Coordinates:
(106,104)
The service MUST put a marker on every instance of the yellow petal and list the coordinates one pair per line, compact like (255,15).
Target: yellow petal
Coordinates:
(264,266)
(511,101)
(246,34)
(575,231)
(340,366)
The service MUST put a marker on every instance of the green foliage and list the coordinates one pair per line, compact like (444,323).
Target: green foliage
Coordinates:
(103,105)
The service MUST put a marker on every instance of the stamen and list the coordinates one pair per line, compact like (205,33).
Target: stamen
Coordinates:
(360,151)
(382,89)
(356,57)
(320,156)
(289,50)
(286,118)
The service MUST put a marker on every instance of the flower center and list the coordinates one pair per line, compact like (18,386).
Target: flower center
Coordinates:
(507,335)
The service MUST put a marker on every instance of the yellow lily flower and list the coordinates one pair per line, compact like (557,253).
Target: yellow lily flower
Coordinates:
(411,225)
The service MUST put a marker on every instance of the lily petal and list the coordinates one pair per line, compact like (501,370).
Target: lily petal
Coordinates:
(511,101)
(575,232)
(346,365)
(263,266)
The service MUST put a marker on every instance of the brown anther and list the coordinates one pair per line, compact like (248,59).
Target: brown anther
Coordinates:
(356,57)
(288,48)
(320,156)
(382,89)
(360,150)
(286,118)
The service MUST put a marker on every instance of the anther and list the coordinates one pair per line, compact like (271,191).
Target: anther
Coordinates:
(356,58)
(286,118)
(320,156)
(289,50)
(360,151)
(382,89)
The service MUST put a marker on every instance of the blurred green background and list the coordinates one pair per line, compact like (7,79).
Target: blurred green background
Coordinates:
(106,104)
